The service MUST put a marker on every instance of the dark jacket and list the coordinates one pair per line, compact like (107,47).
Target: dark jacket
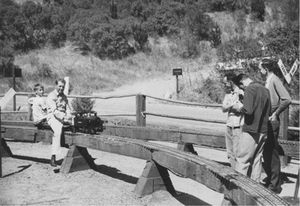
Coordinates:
(256,108)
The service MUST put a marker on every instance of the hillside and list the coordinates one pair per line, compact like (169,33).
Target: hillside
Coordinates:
(104,44)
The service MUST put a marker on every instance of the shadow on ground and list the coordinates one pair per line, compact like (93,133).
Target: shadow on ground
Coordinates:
(187,199)
(23,167)
(115,173)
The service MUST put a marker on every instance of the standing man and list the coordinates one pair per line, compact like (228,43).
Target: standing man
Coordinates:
(256,110)
(58,110)
(280,100)
(234,119)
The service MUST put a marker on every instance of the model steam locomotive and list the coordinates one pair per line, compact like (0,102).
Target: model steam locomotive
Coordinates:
(88,123)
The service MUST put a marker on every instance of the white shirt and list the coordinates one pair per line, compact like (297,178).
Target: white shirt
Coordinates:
(233,119)
(39,108)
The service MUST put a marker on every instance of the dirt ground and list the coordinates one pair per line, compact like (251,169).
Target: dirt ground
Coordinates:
(28,179)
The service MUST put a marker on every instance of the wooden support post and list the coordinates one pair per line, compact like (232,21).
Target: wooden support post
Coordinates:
(29,115)
(140,108)
(283,133)
(0,146)
(154,177)
(187,147)
(77,159)
(297,185)
(4,149)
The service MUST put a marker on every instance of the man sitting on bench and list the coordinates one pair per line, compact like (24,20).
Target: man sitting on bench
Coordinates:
(58,115)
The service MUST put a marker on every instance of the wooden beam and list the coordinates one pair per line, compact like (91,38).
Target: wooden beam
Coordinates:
(241,189)
(204,137)
(108,144)
(20,133)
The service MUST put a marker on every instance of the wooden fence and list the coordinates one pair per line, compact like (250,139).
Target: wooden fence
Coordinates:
(205,137)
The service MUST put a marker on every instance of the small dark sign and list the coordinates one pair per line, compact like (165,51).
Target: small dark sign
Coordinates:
(8,72)
(177,71)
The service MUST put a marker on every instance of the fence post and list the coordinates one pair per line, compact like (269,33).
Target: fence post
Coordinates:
(140,107)
(283,132)
(29,114)
(0,146)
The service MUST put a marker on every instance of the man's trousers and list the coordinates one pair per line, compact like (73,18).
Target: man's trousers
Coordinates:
(232,136)
(56,126)
(271,156)
(249,154)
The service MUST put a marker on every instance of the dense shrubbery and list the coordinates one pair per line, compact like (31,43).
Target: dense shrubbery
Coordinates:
(108,29)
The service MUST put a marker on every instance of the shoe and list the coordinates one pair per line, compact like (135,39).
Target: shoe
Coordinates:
(275,190)
(52,161)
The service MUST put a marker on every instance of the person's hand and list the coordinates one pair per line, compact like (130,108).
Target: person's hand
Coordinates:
(237,106)
(273,117)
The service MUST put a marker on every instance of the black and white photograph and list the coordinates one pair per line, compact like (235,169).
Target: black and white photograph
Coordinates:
(149,102)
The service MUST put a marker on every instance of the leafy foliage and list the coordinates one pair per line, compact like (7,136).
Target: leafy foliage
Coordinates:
(82,105)
(283,43)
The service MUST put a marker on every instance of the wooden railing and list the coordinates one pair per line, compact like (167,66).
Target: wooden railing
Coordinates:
(221,180)
(141,112)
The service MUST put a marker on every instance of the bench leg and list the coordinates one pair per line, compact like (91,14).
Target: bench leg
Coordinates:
(187,147)
(4,149)
(77,159)
(297,185)
(153,178)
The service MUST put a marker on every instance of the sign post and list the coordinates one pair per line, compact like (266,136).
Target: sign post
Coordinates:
(177,72)
(14,87)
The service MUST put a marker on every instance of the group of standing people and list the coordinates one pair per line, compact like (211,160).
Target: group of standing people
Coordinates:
(253,124)
(53,110)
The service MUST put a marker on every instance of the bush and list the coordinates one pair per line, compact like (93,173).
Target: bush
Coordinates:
(258,9)
(203,28)
(166,19)
(57,36)
(82,105)
(45,72)
(239,49)
(189,49)
(140,34)
(110,41)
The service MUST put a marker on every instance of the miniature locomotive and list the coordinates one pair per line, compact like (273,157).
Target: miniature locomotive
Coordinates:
(87,123)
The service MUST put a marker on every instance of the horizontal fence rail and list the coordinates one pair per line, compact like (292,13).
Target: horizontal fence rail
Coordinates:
(118,115)
(184,117)
(184,102)
(290,128)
